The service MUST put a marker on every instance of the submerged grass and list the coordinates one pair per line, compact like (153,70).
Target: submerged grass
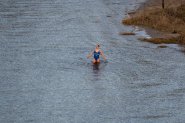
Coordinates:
(170,19)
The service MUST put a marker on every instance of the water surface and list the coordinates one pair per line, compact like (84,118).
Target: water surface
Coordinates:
(46,78)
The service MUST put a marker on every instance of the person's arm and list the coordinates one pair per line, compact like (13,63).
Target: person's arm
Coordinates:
(90,54)
(103,55)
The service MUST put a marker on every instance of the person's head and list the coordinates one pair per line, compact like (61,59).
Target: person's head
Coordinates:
(97,45)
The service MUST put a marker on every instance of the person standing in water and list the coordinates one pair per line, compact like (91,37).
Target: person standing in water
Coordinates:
(97,52)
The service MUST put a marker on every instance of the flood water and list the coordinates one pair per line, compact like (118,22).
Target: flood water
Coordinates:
(45,76)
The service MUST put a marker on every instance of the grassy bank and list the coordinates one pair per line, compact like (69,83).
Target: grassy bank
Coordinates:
(171,19)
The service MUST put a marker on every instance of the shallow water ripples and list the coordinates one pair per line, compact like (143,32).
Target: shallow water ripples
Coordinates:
(45,76)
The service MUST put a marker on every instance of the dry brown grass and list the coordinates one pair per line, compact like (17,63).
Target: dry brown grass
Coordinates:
(170,19)
(160,40)
(165,39)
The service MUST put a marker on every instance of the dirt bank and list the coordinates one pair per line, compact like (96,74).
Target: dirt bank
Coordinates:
(171,19)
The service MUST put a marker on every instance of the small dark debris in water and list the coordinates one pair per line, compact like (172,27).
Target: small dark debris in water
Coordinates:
(127,33)
(155,116)
(109,16)
(162,46)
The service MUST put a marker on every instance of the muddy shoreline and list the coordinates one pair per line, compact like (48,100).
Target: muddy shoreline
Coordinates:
(146,17)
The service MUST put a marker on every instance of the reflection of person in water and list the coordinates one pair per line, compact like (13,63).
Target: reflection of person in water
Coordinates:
(97,52)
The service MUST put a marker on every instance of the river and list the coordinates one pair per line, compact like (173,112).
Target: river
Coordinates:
(45,76)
